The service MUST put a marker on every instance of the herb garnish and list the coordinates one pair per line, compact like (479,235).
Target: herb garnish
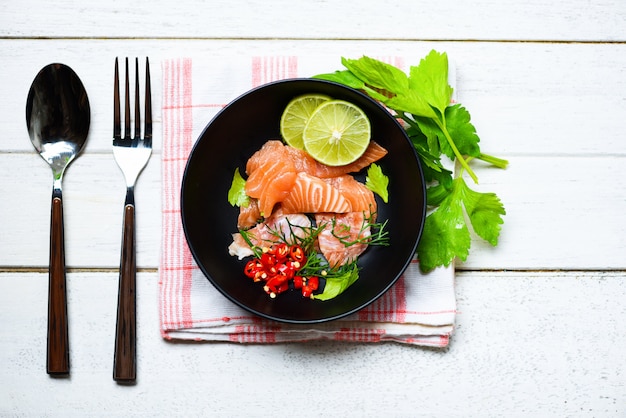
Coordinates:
(437,128)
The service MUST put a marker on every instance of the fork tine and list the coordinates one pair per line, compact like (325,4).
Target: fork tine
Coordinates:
(116,104)
(137,111)
(127,107)
(148,103)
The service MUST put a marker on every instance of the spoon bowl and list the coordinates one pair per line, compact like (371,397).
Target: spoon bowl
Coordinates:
(57,118)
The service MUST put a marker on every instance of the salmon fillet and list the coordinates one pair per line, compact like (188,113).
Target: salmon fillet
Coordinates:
(311,194)
(285,183)
(360,197)
(280,227)
(304,162)
(249,215)
(271,176)
(349,227)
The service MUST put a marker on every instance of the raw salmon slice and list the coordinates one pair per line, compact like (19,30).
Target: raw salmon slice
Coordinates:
(280,227)
(311,195)
(360,197)
(271,176)
(271,150)
(304,162)
(276,150)
(249,215)
(348,226)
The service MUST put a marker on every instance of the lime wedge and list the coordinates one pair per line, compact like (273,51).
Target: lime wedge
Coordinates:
(296,115)
(337,133)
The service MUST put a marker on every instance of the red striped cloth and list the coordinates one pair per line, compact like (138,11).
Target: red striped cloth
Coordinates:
(419,309)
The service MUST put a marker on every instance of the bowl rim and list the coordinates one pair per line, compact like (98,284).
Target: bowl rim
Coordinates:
(265,315)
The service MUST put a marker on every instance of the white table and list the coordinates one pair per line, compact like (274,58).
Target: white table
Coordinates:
(541,328)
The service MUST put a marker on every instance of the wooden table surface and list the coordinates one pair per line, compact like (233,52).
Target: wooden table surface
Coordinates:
(541,328)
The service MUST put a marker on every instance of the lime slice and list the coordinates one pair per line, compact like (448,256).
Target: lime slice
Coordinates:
(296,115)
(338,132)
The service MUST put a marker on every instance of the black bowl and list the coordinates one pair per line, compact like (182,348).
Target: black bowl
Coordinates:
(209,221)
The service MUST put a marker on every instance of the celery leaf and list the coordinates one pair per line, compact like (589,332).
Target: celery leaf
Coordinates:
(485,211)
(237,193)
(377,182)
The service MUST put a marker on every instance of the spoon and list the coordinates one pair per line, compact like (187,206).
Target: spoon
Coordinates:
(57,117)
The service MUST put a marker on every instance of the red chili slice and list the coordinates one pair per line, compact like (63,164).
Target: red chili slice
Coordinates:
(251,268)
(298,281)
(310,285)
(277,266)
(281,252)
(313,282)
(296,253)
(268,260)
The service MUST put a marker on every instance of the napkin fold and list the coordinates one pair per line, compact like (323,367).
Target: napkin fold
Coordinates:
(419,309)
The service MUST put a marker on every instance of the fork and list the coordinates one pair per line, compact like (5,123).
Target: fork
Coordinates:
(131,155)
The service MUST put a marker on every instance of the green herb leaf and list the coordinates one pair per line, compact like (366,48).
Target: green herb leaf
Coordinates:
(463,132)
(343,77)
(485,211)
(377,182)
(337,284)
(436,129)
(445,235)
(430,80)
(410,101)
(237,193)
(436,194)
(378,74)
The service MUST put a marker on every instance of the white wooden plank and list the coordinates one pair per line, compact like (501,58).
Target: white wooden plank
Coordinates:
(524,98)
(93,200)
(525,344)
(562,213)
(335,19)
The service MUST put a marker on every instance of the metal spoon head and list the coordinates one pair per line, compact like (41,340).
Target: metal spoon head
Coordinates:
(57,115)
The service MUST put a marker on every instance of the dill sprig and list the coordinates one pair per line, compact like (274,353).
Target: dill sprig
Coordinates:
(378,234)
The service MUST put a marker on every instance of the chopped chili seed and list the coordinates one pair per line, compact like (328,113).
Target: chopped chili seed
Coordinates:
(281,252)
(296,253)
(277,267)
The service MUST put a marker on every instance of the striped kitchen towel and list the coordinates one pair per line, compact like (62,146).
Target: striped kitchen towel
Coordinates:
(420,309)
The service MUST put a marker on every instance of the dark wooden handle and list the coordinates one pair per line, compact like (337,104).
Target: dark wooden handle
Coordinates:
(58,350)
(124,365)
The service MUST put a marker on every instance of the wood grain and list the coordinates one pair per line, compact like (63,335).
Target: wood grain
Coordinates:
(575,20)
(526,344)
(540,328)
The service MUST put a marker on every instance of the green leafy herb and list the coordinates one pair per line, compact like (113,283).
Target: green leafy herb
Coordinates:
(437,129)
(377,182)
(337,283)
(378,234)
(237,193)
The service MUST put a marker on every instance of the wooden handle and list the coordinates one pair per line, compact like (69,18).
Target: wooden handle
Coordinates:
(124,365)
(58,350)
